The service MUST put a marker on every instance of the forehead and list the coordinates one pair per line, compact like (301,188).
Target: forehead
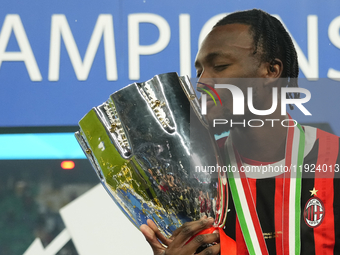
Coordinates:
(231,39)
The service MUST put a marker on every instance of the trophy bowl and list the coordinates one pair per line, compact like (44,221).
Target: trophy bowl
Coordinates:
(149,145)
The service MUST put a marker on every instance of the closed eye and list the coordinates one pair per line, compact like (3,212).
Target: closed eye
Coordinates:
(221,67)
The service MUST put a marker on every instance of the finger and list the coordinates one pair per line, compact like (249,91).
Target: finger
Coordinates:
(200,240)
(158,233)
(150,236)
(191,228)
(213,250)
(178,230)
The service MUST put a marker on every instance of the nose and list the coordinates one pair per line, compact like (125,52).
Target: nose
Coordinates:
(205,78)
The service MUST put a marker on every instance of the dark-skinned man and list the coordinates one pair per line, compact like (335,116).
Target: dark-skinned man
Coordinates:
(283,212)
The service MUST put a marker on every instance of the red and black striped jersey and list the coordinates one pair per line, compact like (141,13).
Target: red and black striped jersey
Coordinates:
(320,200)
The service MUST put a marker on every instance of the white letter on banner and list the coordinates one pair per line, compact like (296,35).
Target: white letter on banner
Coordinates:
(297,101)
(334,37)
(60,28)
(208,26)
(184,45)
(13,22)
(135,49)
(310,66)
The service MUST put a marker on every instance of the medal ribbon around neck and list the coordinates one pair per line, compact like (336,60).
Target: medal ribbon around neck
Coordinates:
(244,202)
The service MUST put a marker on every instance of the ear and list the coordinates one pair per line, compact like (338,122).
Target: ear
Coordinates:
(274,69)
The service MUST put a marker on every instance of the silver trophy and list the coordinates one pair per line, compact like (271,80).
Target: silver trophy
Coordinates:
(149,144)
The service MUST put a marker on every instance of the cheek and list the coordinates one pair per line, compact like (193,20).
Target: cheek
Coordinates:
(255,98)
(260,98)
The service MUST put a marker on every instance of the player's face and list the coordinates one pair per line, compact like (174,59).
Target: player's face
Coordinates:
(227,52)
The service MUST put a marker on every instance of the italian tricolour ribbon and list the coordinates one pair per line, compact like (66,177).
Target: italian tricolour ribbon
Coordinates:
(244,202)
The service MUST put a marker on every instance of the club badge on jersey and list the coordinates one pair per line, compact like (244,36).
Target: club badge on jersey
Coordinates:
(314,211)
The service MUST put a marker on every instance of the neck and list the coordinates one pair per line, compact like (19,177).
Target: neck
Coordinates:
(266,143)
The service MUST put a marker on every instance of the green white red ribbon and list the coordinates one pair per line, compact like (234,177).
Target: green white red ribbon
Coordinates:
(244,202)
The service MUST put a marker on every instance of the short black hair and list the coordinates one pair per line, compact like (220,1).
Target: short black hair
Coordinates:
(272,38)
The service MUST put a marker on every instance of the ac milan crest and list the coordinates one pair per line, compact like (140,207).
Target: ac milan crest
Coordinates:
(314,212)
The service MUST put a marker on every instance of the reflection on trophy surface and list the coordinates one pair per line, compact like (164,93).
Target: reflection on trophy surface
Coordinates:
(144,143)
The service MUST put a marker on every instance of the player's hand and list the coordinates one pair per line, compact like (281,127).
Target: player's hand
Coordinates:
(176,245)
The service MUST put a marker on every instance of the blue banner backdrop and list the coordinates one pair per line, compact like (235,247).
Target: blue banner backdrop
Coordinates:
(58,59)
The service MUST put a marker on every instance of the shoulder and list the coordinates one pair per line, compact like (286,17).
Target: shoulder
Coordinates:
(312,133)
(320,145)
(322,160)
